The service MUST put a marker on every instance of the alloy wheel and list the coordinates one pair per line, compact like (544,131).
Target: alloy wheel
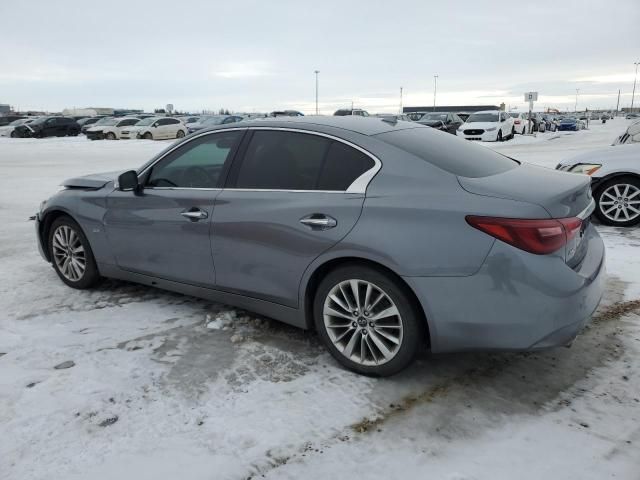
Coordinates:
(620,202)
(363,322)
(68,253)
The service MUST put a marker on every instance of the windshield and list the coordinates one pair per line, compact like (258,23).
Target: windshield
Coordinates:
(449,154)
(104,121)
(482,117)
(514,115)
(568,120)
(146,121)
(435,116)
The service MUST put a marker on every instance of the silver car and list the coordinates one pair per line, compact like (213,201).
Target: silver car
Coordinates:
(385,237)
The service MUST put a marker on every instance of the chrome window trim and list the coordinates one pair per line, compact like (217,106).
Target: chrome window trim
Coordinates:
(359,185)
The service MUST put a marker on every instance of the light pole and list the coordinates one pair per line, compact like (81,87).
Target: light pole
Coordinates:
(435,91)
(575,109)
(400,101)
(633,95)
(316,72)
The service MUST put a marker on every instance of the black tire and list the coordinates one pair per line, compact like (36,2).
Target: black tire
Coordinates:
(180,134)
(148,136)
(499,137)
(411,320)
(110,136)
(13,135)
(513,132)
(622,180)
(90,276)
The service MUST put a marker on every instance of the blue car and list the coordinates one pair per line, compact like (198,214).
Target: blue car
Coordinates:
(569,124)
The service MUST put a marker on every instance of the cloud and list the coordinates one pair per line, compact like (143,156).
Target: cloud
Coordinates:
(244,70)
(615,78)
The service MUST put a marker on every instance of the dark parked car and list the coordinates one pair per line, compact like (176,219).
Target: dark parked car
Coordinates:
(49,127)
(445,121)
(286,113)
(345,112)
(386,237)
(568,124)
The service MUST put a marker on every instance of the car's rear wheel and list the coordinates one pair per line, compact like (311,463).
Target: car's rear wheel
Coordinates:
(148,136)
(618,202)
(110,136)
(180,134)
(71,254)
(367,320)
(499,137)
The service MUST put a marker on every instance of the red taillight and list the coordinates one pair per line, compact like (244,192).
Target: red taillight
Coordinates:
(517,122)
(534,236)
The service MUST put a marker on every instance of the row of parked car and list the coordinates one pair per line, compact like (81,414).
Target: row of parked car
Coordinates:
(113,128)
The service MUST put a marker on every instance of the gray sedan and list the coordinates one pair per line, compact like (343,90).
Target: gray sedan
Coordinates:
(385,237)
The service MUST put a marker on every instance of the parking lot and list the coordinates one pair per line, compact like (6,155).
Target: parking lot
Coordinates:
(163,385)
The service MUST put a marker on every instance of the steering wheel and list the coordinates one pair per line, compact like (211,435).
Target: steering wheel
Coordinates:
(197,177)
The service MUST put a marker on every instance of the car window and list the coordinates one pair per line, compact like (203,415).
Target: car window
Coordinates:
(453,155)
(196,164)
(282,161)
(343,164)
(171,121)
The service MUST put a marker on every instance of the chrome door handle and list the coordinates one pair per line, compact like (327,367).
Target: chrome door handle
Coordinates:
(319,221)
(195,214)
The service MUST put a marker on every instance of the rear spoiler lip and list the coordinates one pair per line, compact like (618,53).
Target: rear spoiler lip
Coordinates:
(586,213)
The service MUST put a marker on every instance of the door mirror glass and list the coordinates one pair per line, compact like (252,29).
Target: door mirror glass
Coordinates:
(128,181)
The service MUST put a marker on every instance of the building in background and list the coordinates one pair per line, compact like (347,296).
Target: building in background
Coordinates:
(452,108)
(4,108)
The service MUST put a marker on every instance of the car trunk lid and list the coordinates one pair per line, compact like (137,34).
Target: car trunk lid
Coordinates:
(561,194)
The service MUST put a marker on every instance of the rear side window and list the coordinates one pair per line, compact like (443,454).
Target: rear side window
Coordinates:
(342,166)
(454,155)
(278,160)
(282,161)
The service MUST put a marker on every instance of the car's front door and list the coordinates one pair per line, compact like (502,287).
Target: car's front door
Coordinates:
(287,200)
(163,229)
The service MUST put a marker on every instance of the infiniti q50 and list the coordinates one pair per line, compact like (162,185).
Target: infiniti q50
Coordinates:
(384,236)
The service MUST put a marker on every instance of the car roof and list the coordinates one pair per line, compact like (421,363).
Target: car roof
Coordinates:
(488,111)
(361,125)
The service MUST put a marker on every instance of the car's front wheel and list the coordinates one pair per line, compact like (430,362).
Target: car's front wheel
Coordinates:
(618,202)
(110,136)
(367,320)
(71,254)
(180,134)
(148,136)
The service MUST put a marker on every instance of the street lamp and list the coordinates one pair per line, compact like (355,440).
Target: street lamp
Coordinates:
(316,72)
(633,95)
(575,109)
(435,90)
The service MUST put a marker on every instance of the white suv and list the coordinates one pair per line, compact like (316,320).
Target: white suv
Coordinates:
(156,128)
(487,126)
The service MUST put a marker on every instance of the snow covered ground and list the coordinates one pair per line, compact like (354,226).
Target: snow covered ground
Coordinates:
(166,386)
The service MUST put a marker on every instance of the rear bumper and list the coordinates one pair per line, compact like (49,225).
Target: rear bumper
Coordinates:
(516,301)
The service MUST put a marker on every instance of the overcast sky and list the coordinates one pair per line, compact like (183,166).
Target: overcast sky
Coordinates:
(259,55)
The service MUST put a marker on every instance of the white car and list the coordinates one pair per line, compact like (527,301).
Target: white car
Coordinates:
(615,182)
(487,126)
(110,129)
(630,135)
(8,130)
(156,128)
(520,122)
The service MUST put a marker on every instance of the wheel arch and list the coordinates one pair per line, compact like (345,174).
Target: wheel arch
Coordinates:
(45,226)
(611,176)
(314,278)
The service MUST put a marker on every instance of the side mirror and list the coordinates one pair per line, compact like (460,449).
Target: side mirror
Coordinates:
(127,181)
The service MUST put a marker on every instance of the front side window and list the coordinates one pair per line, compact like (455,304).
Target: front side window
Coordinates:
(197,164)
(277,160)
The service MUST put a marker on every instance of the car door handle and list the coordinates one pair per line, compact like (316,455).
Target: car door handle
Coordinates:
(319,221)
(195,214)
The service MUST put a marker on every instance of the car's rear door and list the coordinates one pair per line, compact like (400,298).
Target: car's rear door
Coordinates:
(164,229)
(290,196)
